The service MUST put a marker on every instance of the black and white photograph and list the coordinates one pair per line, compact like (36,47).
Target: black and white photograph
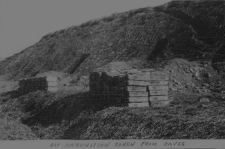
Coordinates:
(112,70)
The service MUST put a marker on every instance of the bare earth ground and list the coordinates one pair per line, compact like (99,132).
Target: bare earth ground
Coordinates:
(197,111)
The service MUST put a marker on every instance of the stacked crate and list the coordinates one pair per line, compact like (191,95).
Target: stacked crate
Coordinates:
(138,93)
(38,83)
(159,90)
(108,86)
(95,83)
(133,88)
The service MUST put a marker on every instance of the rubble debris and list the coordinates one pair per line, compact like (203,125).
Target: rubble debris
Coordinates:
(204,100)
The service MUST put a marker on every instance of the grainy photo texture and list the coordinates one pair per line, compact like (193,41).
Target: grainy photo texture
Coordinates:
(142,70)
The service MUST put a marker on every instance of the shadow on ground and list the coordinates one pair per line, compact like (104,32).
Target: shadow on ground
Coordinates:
(46,109)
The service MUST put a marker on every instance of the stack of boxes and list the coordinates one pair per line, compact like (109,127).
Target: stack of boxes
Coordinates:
(38,83)
(110,87)
(137,88)
(156,84)
(133,88)
(159,90)
(95,83)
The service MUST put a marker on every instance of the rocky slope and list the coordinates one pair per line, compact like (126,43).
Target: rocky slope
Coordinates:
(185,29)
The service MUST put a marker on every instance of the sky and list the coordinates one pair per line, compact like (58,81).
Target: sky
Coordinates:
(24,22)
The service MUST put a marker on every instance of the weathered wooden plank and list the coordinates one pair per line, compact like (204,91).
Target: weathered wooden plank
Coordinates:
(138,94)
(158,98)
(142,104)
(160,103)
(147,77)
(147,83)
(158,88)
(152,93)
(138,99)
(138,77)
(141,73)
(131,70)
(157,82)
(159,77)
(138,83)
(115,74)
(137,72)
(137,88)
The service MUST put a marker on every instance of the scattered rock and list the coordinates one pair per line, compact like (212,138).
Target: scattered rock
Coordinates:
(222,92)
(174,89)
(208,75)
(204,100)
(214,103)
(192,70)
(179,83)
(206,84)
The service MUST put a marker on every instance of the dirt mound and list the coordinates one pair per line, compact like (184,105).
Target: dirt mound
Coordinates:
(173,30)
(180,120)
(74,84)
(15,131)
(59,75)
(7,85)
(192,76)
(184,75)
(76,116)
(114,66)
(11,126)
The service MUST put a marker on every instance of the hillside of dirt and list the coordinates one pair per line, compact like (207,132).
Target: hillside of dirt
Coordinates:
(188,29)
(184,39)
(41,115)
(71,113)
